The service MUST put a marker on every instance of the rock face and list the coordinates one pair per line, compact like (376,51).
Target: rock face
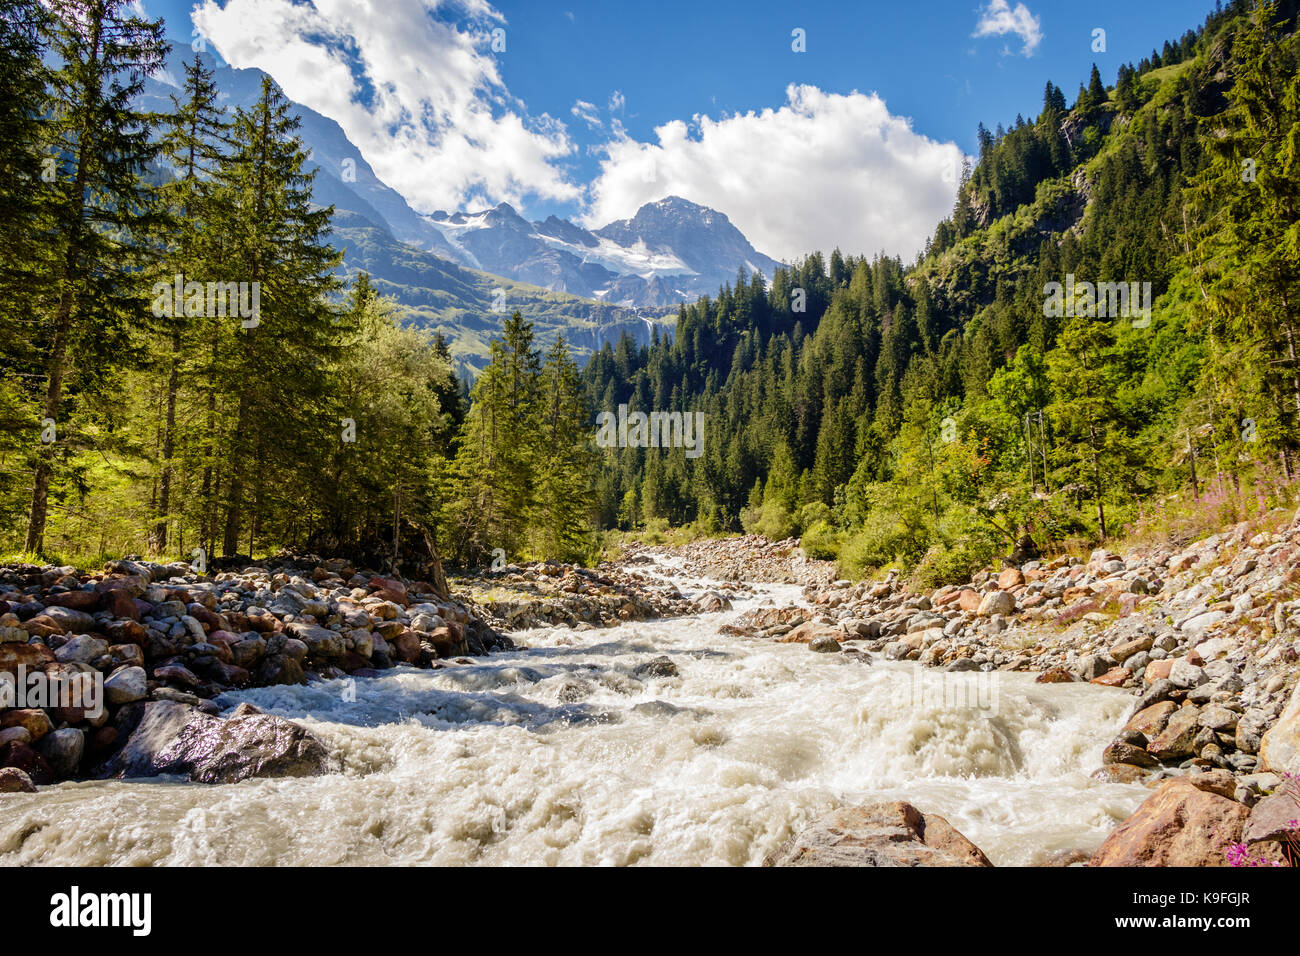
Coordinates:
(1280,749)
(1178,825)
(177,739)
(882,834)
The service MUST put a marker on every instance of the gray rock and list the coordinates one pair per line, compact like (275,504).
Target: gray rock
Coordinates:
(63,750)
(71,621)
(81,649)
(1184,674)
(174,739)
(659,667)
(126,684)
(824,644)
(997,602)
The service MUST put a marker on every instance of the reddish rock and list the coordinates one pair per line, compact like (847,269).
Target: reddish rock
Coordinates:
(32,656)
(387,584)
(1115,677)
(1178,825)
(35,721)
(969,600)
(1056,675)
(127,632)
(24,758)
(1178,740)
(100,742)
(1010,578)
(263,623)
(387,594)
(1157,670)
(883,834)
(88,601)
(1152,720)
(122,605)
(406,646)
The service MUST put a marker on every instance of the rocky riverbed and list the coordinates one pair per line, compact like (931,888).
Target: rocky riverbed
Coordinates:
(1206,638)
(280,670)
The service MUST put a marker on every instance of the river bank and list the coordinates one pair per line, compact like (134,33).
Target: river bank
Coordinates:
(657,714)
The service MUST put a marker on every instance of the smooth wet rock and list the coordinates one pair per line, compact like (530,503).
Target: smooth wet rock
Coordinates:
(659,667)
(176,739)
(13,780)
(882,834)
(824,644)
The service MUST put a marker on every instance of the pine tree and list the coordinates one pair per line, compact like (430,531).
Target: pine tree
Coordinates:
(193,142)
(271,368)
(100,212)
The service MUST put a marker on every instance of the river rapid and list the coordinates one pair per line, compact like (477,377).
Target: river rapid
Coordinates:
(560,753)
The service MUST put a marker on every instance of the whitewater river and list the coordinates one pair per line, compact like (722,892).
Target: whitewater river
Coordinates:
(560,754)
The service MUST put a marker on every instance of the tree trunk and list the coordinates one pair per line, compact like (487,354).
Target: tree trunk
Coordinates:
(53,398)
(159,537)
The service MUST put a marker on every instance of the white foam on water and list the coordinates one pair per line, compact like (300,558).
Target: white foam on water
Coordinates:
(561,754)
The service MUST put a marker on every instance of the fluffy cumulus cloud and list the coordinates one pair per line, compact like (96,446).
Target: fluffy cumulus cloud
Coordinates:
(824,170)
(414,83)
(1000,19)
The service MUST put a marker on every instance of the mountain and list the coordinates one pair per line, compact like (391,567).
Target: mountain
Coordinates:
(408,256)
(671,251)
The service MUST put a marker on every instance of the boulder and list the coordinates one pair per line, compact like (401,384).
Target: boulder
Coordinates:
(1279,751)
(711,601)
(997,602)
(824,644)
(62,750)
(24,758)
(1178,738)
(126,685)
(81,649)
(659,667)
(177,739)
(31,656)
(32,719)
(882,834)
(1275,817)
(1150,721)
(13,780)
(1178,825)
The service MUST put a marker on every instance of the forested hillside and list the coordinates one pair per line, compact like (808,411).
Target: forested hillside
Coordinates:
(1101,336)
(932,414)
(184,373)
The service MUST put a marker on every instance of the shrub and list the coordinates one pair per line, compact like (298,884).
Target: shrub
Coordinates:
(821,542)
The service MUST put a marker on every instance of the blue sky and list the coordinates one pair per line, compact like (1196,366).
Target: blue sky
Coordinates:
(594,106)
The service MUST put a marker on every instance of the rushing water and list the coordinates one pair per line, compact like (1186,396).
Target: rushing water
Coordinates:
(560,754)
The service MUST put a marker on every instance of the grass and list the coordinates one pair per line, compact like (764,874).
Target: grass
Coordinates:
(82,561)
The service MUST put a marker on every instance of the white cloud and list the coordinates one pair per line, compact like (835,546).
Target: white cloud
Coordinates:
(822,171)
(589,113)
(617,101)
(999,19)
(420,96)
